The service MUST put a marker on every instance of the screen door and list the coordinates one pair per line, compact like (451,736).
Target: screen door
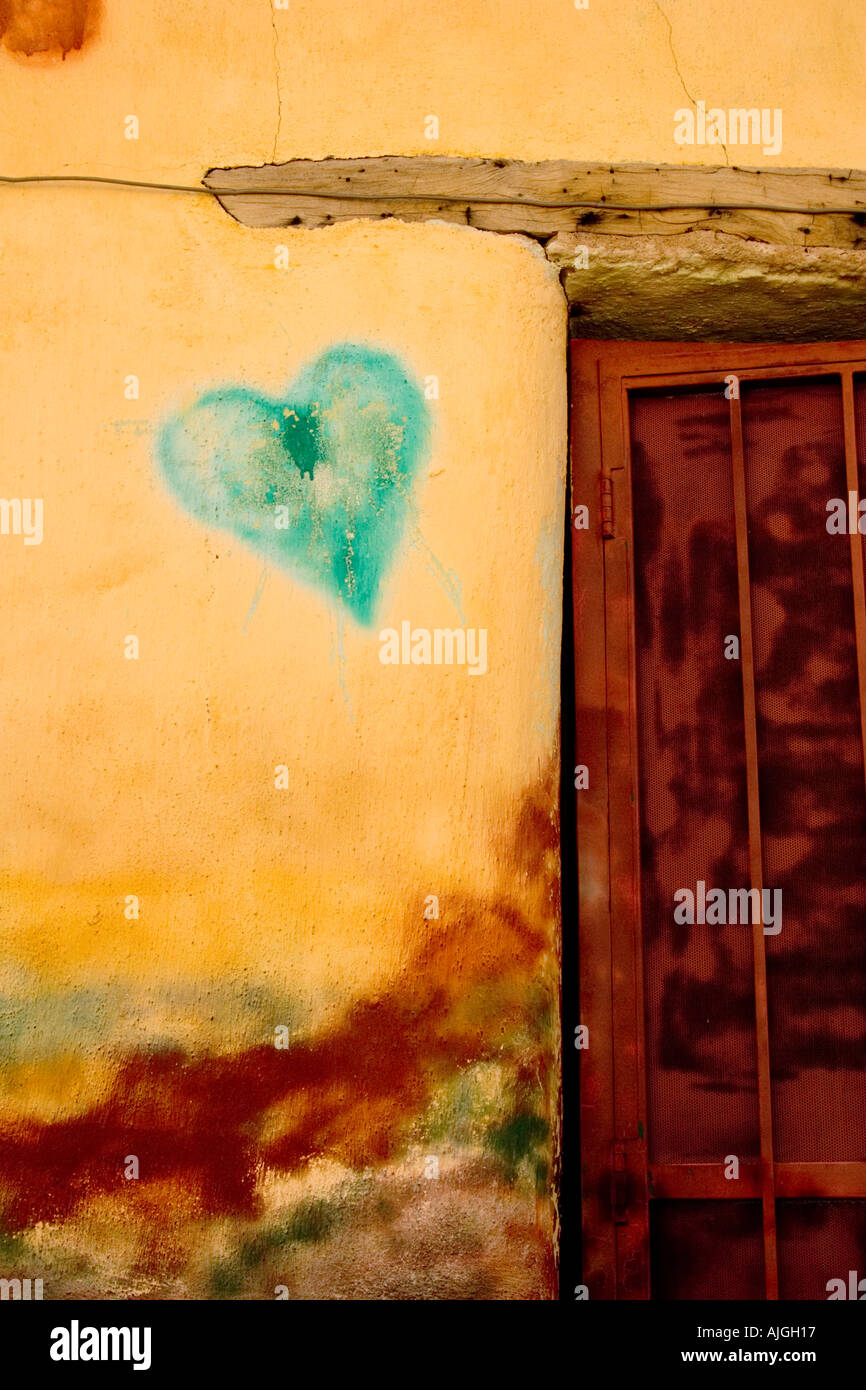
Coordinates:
(720,651)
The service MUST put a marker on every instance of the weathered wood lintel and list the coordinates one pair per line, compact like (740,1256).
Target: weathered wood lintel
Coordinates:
(785,207)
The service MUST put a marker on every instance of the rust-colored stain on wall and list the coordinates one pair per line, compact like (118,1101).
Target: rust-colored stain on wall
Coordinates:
(50,27)
(480,997)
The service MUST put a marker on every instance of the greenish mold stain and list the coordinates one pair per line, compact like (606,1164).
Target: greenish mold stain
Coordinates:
(515,1144)
(308,1223)
(320,482)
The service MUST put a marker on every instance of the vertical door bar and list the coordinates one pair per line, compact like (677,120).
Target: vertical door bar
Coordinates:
(856,548)
(747,662)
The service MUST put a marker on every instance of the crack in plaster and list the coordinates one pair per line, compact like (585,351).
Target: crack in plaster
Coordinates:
(278,81)
(677,65)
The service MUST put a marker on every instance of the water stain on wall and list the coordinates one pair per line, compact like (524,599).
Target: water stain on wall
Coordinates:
(456,1056)
(47,27)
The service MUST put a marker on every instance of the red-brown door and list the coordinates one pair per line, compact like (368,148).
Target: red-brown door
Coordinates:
(720,642)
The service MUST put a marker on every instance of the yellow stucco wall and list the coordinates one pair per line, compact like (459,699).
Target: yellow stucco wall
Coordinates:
(228,82)
(145,767)
(259,907)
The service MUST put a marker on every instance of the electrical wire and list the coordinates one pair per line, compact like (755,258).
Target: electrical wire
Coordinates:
(349,195)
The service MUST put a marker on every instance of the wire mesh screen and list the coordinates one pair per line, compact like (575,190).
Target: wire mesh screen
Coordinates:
(700,1012)
(820,1244)
(812,796)
(696,559)
(706,1250)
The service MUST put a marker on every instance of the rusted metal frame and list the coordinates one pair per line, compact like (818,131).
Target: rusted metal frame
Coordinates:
(707,1181)
(765,373)
(643,363)
(704,1181)
(630,1152)
(747,666)
(852,476)
(638,366)
(592,815)
(821,1180)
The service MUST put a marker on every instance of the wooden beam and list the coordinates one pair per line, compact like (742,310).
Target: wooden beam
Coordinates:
(804,207)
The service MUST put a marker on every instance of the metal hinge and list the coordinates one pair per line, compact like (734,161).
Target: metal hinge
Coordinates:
(628,1178)
(619,1183)
(608,530)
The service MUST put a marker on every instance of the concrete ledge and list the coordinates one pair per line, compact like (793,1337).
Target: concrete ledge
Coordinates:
(710,287)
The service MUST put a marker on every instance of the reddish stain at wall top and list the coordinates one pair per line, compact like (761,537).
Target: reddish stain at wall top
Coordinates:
(48,27)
